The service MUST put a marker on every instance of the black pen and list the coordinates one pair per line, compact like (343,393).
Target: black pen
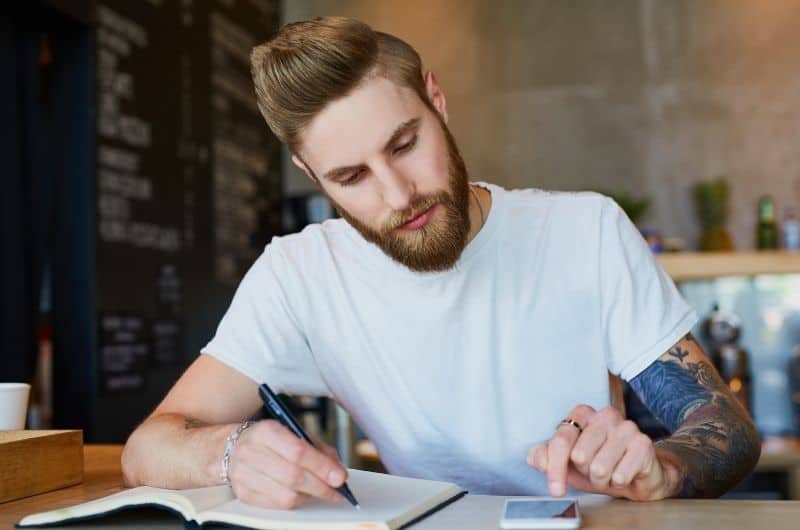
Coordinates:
(282,414)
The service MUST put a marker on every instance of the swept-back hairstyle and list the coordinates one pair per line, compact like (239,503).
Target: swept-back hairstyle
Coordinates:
(309,64)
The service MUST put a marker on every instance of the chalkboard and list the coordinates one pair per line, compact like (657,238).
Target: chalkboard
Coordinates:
(188,189)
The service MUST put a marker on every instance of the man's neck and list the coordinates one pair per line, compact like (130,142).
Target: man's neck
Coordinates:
(476,220)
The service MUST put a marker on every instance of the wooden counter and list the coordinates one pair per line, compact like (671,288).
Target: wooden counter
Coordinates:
(682,266)
(782,454)
(102,476)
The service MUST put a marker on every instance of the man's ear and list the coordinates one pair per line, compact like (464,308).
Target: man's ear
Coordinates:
(436,95)
(297,161)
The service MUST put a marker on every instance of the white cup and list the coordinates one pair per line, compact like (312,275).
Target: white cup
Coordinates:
(13,405)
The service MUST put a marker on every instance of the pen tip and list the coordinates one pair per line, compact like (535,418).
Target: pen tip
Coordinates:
(358,507)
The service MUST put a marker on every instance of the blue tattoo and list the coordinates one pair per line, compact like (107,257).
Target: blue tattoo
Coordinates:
(670,392)
(714,441)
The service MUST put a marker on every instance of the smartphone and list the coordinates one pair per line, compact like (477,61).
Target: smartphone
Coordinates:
(541,512)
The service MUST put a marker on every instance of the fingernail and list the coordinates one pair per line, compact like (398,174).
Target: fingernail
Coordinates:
(556,489)
(617,479)
(335,478)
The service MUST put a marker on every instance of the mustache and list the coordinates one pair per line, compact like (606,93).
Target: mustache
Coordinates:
(417,206)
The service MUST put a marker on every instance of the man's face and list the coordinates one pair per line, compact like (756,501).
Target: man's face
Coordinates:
(391,168)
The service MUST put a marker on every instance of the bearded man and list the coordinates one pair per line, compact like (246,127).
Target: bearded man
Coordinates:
(469,330)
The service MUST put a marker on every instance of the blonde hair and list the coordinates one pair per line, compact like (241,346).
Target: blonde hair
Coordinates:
(309,64)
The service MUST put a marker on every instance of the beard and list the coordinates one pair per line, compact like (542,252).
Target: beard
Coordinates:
(437,245)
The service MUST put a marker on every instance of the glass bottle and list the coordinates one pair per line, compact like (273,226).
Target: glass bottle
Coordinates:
(767,230)
(791,228)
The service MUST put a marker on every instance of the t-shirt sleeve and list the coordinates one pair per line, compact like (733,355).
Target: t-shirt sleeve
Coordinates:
(259,335)
(643,314)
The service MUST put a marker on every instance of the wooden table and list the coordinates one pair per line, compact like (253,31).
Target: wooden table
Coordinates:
(777,454)
(102,477)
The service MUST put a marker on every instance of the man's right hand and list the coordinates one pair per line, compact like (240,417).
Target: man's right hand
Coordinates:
(270,467)
(180,445)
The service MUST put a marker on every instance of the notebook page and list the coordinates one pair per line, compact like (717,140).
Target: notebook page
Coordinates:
(383,498)
(203,498)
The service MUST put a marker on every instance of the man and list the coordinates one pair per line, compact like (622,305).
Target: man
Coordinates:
(468,329)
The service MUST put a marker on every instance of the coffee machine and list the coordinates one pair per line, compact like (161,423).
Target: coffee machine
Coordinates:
(722,332)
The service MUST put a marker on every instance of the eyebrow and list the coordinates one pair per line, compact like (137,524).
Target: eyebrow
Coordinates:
(402,129)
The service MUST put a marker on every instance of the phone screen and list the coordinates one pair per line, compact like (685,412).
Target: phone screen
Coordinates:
(540,509)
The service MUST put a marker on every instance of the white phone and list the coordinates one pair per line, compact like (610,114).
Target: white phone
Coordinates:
(541,512)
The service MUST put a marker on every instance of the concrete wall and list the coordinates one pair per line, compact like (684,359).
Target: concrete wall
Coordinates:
(644,96)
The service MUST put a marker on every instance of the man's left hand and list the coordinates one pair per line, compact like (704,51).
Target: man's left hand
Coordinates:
(604,453)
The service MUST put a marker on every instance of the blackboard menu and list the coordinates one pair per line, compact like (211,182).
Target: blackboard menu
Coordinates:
(124,351)
(238,149)
(188,188)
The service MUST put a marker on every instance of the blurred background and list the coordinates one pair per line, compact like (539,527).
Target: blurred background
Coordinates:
(139,180)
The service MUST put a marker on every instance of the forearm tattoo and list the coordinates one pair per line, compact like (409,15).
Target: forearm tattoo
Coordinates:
(712,436)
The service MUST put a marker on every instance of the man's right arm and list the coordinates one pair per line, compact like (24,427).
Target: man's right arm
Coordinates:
(181,444)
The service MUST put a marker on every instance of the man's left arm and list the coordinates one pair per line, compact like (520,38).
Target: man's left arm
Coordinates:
(713,445)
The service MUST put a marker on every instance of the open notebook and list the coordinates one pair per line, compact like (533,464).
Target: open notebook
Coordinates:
(387,502)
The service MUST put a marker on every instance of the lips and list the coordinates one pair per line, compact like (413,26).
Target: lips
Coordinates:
(420,220)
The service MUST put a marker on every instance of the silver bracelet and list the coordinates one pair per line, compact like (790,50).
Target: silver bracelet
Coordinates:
(229,443)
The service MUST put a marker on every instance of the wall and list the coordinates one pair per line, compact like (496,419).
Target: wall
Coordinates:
(625,95)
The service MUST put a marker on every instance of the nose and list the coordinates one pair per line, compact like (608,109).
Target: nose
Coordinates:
(398,190)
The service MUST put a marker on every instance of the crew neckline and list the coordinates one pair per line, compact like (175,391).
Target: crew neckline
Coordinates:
(473,248)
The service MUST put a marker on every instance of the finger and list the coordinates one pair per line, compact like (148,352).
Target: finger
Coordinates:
(595,434)
(300,452)
(329,451)
(560,448)
(256,459)
(583,414)
(587,446)
(537,457)
(582,483)
(636,463)
(333,454)
(579,481)
(293,476)
(558,451)
(256,489)
(610,454)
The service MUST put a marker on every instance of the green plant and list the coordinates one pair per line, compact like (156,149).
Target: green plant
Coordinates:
(711,201)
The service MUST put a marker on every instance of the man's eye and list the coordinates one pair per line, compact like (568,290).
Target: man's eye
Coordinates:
(406,146)
(352,178)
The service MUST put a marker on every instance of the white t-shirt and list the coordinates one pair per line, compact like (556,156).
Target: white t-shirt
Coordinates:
(455,375)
